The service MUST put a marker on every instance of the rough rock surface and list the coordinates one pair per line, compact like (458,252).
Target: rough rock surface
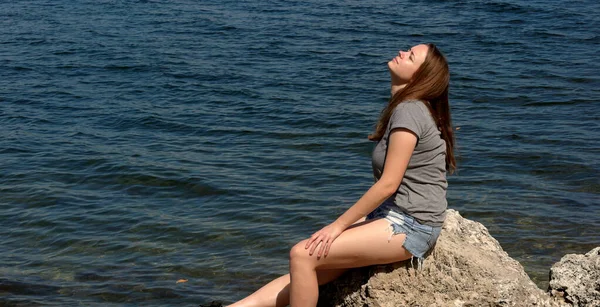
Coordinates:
(467,267)
(576,278)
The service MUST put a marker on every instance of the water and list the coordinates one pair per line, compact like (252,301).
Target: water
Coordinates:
(144,142)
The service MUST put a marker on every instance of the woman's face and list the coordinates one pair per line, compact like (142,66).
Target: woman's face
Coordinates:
(404,66)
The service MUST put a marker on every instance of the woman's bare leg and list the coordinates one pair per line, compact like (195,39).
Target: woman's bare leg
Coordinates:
(277,292)
(368,244)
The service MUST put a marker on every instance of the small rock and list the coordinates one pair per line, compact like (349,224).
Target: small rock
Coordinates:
(576,279)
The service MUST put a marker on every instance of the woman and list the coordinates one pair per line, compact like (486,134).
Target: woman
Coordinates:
(401,215)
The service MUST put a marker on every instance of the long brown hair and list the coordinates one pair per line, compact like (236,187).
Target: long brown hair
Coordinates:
(429,84)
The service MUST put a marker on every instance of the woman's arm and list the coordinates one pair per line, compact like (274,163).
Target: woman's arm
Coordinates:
(401,145)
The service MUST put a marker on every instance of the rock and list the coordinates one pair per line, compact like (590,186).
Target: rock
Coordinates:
(576,278)
(467,267)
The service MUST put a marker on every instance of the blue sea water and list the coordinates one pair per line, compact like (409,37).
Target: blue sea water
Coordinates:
(145,142)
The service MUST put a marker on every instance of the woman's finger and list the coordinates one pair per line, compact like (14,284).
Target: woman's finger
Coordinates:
(327,248)
(311,240)
(316,243)
(325,243)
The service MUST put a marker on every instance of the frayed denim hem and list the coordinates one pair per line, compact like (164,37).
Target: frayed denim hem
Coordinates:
(396,230)
(419,239)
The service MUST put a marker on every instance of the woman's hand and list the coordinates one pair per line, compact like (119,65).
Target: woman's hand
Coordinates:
(324,238)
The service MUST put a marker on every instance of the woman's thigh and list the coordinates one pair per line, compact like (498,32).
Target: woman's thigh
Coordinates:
(364,244)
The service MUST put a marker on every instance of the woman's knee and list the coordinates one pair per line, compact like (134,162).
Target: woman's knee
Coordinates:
(298,252)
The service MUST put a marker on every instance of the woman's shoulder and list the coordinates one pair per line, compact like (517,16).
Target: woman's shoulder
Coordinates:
(410,114)
(412,105)
(415,114)
(413,101)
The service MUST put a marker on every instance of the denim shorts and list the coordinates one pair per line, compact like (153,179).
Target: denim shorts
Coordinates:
(419,238)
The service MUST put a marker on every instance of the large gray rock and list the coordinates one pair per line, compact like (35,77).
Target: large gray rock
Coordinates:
(576,278)
(466,268)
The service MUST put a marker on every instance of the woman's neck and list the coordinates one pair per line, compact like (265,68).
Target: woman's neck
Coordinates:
(397,87)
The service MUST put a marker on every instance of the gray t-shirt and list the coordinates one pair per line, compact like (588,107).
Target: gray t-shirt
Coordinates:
(422,193)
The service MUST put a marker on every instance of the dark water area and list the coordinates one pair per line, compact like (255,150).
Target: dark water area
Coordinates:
(144,142)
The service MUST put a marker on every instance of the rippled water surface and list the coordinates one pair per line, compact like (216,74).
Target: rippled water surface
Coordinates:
(144,142)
